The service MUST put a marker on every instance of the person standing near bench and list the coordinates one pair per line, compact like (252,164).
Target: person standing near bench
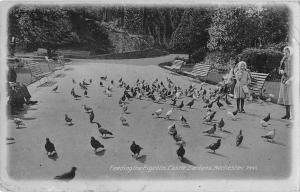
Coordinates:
(241,90)
(285,92)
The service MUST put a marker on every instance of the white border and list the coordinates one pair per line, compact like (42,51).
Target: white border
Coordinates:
(290,184)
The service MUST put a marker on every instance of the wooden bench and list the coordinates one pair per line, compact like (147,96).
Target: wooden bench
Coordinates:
(257,82)
(176,65)
(53,65)
(36,71)
(199,70)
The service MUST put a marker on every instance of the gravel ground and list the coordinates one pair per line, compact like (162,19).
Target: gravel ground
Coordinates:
(27,159)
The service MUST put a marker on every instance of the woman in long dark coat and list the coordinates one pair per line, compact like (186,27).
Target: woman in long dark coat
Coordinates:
(285,93)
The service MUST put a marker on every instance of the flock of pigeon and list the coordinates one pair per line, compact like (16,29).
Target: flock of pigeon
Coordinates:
(158,92)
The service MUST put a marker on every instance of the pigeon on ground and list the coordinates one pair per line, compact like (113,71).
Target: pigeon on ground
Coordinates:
(232,115)
(210,117)
(212,130)
(191,103)
(180,152)
(181,105)
(263,123)
(85,93)
(124,121)
(169,113)
(239,138)
(73,80)
(67,176)
(92,116)
(125,108)
(68,119)
(172,129)
(101,84)
(135,149)
(214,146)
(158,112)
(87,109)
(50,148)
(267,118)
(120,80)
(104,77)
(96,144)
(270,135)
(18,122)
(183,120)
(221,124)
(104,132)
(55,88)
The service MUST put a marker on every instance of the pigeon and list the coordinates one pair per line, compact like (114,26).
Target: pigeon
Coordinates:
(270,135)
(104,132)
(101,84)
(73,92)
(18,122)
(214,146)
(91,81)
(239,138)
(263,123)
(103,78)
(112,82)
(209,105)
(68,119)
(232,115)
(183,120)
(221,124)
(125,108)
(124,121)
(96,144)
(228,102)
(85,83)
(191,103)
(169,113)
(92,116)
(219,104)
(158,112)
(73,80)
(135,149)
(120,80)
(55,88)
(87,109)
(85,93)
(50,148)
(180,152)
(172,129)
(212,130)
(67,176)
(210,117)
(267,118)
(98,125)
(181,105)
(76,96)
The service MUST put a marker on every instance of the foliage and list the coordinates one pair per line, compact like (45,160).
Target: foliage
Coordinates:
(198,55)
(236,28)
(262,60)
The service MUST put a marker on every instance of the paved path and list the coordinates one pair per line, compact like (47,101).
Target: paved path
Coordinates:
(27,158)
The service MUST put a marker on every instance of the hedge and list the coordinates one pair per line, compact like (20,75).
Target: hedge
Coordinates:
(262,61)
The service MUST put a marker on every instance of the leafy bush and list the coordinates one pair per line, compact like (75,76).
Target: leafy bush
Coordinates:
(262,61)
(199,55)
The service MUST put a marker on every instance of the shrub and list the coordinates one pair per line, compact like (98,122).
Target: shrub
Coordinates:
(262,61)
(198,55)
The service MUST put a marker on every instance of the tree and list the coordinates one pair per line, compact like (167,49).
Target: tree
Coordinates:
(47,28)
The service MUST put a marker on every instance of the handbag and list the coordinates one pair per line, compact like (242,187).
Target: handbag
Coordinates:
(245,89)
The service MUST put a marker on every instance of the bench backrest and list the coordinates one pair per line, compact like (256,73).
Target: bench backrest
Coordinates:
(177,64)
(257,81)
(34,68)
(201,69)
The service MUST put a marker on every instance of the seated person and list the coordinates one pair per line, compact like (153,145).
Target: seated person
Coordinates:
(17,92)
